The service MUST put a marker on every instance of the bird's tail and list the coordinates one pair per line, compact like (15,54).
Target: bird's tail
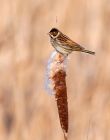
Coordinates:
(87,51)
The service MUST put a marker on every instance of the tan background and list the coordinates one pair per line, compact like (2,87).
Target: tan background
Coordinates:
(27,111)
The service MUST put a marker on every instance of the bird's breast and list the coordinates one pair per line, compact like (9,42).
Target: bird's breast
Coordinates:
(60,48)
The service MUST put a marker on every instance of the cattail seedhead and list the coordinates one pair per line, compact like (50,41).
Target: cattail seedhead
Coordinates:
(56,75)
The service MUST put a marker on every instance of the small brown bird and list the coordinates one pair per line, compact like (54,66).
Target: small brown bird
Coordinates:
(64,44)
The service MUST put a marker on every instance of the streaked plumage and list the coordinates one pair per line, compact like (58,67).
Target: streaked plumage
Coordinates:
(64,44)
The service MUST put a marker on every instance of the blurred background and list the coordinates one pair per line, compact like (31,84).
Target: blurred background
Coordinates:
(27,111)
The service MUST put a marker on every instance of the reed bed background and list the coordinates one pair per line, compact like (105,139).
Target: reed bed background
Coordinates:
(27,111)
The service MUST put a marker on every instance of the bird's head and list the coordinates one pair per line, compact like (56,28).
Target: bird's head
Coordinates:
(54,32)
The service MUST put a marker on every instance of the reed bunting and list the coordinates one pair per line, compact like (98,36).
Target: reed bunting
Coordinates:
(64,44)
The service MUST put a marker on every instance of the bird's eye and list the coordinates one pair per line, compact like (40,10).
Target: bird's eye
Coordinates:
(54,33)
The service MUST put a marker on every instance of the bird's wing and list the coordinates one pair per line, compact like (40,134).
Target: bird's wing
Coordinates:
(66,41)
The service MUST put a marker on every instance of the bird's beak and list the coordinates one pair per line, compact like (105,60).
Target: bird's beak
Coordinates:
(48,33)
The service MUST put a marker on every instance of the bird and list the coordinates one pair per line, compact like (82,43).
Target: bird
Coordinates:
(63,44)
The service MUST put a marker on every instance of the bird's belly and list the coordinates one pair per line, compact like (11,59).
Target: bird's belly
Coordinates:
(62,50)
